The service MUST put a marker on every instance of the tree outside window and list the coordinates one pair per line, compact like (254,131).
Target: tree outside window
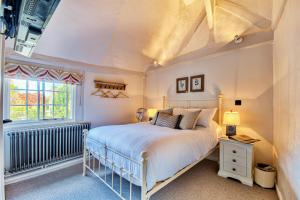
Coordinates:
(39,100)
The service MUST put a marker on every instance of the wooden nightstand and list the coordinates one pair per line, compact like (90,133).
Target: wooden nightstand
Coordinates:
(236,160)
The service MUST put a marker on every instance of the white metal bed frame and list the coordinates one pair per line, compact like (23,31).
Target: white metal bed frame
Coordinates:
(90,158)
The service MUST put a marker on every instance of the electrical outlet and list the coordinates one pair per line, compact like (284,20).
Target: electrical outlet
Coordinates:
(238,102)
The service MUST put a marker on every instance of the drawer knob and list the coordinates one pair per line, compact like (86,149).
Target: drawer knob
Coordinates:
(233,151)
(233,160)
(233,169)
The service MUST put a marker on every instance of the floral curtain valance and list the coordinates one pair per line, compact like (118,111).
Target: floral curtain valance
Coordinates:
(39,73)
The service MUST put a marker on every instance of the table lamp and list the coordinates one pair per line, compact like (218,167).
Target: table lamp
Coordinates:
(231,120)
(140,114)
(151,113)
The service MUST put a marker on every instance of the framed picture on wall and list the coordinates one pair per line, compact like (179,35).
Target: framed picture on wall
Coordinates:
(182,85)
(197,83)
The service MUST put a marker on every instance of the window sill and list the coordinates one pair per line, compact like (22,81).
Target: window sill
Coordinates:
(35,124)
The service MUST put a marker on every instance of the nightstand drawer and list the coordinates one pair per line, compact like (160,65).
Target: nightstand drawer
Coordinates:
(235,169)
(234,150)
(235,160)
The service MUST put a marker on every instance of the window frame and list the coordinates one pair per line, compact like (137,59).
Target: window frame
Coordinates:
(70,94)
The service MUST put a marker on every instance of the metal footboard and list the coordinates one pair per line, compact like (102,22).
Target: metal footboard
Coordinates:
(98,163)
(91,158)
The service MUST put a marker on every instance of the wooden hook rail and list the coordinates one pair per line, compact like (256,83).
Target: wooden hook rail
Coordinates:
(104,89)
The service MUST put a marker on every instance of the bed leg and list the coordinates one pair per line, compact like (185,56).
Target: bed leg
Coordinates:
(85,132)
(144,176)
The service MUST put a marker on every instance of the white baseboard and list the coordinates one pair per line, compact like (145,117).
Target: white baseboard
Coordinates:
(275,158)
(279,194)
(43,171)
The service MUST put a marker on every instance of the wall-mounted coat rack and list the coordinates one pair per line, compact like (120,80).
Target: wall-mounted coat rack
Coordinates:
(109,85)
(103,89)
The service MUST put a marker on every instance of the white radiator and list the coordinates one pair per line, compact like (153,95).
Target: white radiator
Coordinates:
(30,148)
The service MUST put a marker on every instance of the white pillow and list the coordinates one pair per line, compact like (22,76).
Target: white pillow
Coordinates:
(188,112)
(206,116)
(189,120)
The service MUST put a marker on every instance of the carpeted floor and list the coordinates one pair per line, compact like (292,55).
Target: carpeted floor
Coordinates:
(200,183)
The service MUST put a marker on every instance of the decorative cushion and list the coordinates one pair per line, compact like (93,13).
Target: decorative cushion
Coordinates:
(189,120)
(166,120)
(206,116)
(167,111)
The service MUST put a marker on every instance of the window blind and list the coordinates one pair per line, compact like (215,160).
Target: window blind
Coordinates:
(13,70)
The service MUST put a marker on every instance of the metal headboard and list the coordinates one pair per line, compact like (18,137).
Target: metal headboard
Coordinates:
(214,102)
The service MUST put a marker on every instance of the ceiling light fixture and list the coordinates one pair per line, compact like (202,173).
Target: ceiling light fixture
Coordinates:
(155,63)
(238,39)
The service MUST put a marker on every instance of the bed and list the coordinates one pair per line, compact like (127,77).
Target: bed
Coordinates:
(147,155)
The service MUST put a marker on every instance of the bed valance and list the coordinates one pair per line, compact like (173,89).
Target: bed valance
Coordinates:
(13,70)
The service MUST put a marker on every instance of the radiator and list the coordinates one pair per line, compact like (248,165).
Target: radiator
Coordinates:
(36,147)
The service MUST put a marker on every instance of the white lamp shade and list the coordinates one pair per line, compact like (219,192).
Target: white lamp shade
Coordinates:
(151,112)
(231,118)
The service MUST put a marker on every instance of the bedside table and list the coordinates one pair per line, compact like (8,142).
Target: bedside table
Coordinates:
(236,160)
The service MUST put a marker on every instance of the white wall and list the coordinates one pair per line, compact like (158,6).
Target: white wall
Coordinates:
(245,74)
(287,100)
(103,111)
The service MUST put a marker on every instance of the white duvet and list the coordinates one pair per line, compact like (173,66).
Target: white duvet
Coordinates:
(169,150)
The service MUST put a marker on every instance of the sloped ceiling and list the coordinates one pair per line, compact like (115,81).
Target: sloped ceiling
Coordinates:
(131,34)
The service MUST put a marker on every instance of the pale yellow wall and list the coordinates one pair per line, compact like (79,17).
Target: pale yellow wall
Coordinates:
(287,100)
(104,111)
(239,74)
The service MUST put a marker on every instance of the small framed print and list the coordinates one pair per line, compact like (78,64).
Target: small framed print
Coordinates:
(197,83)
(182,85)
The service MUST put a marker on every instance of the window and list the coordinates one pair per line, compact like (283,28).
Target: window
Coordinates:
(30,100)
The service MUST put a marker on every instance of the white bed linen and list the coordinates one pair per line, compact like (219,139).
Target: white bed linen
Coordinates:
(169,150)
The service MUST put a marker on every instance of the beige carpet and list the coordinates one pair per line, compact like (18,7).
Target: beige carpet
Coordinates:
(200,183)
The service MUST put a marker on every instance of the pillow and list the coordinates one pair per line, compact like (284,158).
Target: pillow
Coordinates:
(178,121)
(166,120)
(189,120)
(167,111)
(206,116)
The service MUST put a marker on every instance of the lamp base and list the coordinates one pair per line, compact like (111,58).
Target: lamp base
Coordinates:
(230,130)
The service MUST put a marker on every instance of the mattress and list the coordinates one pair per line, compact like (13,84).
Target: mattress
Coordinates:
(168,150)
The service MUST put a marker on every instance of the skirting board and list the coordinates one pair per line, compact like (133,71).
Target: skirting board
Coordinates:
(275,158)
(279,194)
(43,171)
